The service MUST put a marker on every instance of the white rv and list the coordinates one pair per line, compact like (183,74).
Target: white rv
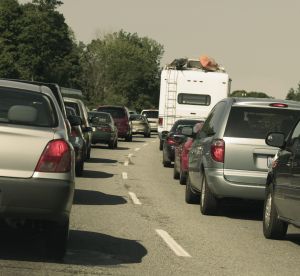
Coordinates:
(187,90)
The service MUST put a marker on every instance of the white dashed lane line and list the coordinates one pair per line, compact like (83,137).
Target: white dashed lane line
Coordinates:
(177,249)
(145,145)
(124,175)
(137,149)
(134,198)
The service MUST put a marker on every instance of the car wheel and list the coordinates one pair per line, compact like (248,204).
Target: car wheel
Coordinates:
(190,196)
(166,163)
(116,144)
(208,202)
(182,177)
(160,145)
(175,172)
(57,239)
(111,144)
(128,138)
(88,153)
(273,227)
(79,168)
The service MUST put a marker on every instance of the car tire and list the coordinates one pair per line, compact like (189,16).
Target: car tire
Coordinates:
(208,201)
(116,144)
(182,177)
(175,171)
(111,144)
(128,138)
(57,239)
(165,162)
(160,145)
(88,153)
(273,227)
(79,168)
(191,197)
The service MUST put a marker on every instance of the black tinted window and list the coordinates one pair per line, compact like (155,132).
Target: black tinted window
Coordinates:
(193,99)
(253,122)
(23,107)
(150,114)
(115,112)
(184,122)
(74,106)
(213,120)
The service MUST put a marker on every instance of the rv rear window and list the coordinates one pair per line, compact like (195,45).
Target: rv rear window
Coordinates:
(194,99)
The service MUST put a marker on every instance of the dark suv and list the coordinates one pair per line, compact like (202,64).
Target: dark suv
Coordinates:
(229,157)
(121,116)
(282,197)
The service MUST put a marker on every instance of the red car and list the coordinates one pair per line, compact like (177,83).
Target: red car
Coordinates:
(181,160)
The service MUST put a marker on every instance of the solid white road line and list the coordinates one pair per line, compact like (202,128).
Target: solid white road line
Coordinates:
(136,149)
(134,198)
(178,250)
(124,175)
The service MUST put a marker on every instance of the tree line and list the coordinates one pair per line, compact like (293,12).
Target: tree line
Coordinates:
(119,68)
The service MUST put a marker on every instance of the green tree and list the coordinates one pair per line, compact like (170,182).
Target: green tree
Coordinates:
(251,94)
(122,68)
(10,29)
(294,94)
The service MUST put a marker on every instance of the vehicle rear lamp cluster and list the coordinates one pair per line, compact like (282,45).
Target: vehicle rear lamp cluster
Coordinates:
(56,157)
(279,105)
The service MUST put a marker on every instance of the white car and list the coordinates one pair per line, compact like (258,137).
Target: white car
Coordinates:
(152,117)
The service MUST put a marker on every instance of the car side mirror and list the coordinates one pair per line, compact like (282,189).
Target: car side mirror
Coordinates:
(179,138)
(275,139)
(74,120)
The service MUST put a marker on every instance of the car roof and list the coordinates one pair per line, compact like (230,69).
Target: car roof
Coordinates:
(25,86)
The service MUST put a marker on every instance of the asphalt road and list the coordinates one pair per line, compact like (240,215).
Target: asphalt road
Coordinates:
(129,218)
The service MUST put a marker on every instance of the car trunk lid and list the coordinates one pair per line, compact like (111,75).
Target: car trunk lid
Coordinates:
(21,149)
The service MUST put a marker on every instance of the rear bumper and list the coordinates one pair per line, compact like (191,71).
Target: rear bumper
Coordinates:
(102,137)
(223,188)
(36,198)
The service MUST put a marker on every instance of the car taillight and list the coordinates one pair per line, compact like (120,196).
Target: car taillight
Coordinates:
(171,141)
(217,150)
(160,121)
(56,157)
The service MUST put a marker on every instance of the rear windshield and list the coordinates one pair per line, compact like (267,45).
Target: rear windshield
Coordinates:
(135,117)
(115,112)
(184,123)
(253,122)
(75,106)
(23,107)
(150,114)
(98,118)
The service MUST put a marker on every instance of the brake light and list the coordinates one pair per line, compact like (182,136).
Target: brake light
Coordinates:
(56,157)
(217,150)
(160,121)
(279,105)
(171,141)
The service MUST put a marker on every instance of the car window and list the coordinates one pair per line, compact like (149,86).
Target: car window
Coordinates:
(255,122)
(138,118)
(115,112)
(74,106)
(24,107)
(183,122)
(213,121)
(150,114)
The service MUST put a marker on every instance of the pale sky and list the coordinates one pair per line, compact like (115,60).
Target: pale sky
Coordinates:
(257,41)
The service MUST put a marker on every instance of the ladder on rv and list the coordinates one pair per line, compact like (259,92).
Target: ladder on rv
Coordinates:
(171,98)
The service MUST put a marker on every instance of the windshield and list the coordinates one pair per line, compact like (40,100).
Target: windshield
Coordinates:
(23,107)
(252,122)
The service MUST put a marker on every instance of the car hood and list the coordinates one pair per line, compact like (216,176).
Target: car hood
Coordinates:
(21,149)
